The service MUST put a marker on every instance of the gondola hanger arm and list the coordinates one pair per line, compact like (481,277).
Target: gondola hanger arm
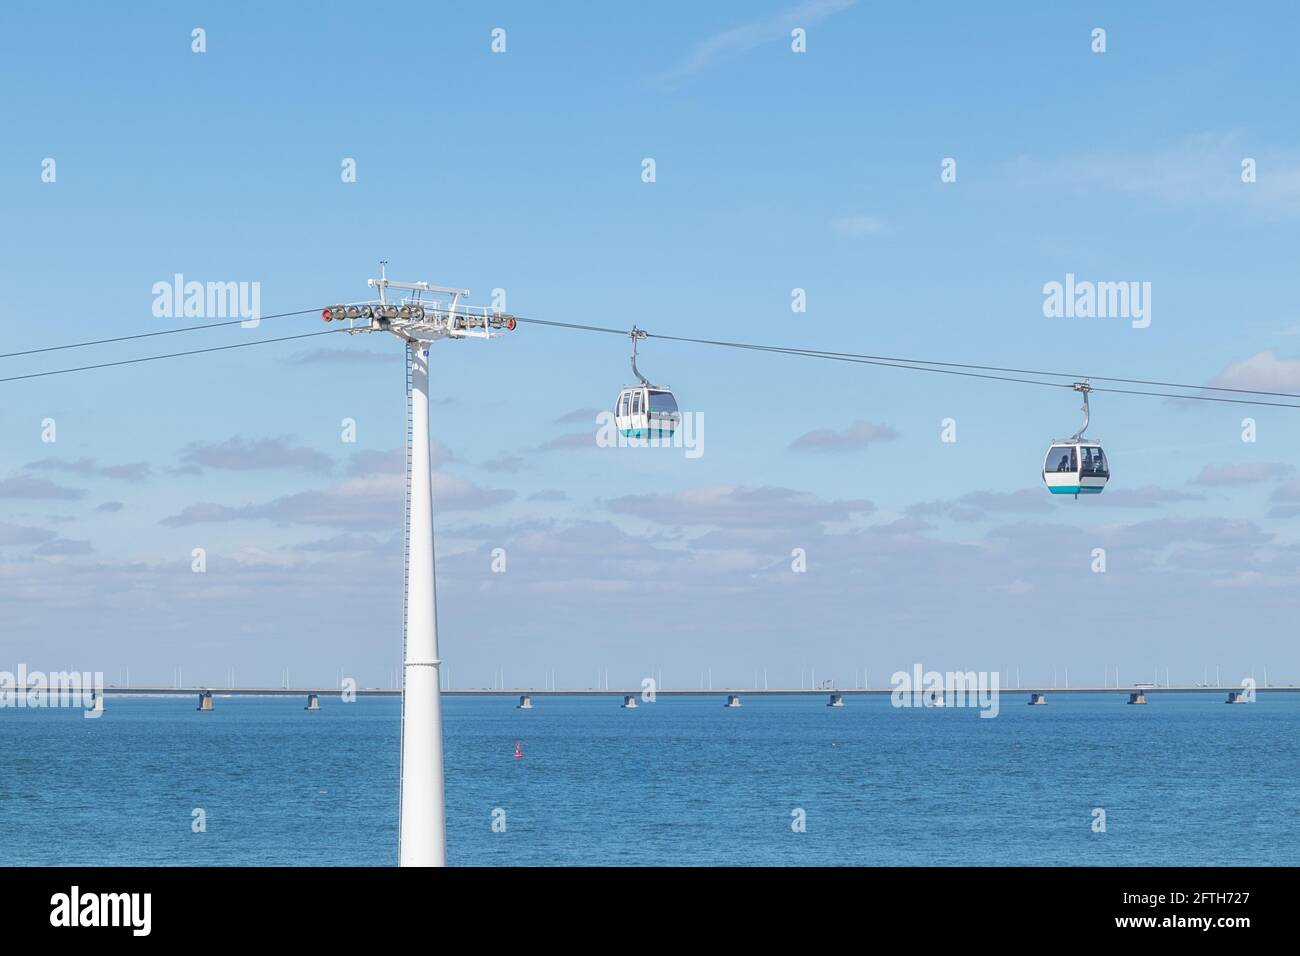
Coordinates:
(1085,388)
(637,334)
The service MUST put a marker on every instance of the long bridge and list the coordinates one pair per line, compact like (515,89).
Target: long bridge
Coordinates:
(733,696)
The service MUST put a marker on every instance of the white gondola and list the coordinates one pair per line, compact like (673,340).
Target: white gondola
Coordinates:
(645,410)
(1076,466)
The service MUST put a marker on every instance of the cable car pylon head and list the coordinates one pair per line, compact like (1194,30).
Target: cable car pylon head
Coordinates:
(423,314)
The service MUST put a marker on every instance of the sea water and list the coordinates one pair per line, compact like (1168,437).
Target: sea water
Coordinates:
(683,781)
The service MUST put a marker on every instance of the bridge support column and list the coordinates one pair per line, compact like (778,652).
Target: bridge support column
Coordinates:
(1037,700)
(525,702)
(1137,697)
(629,701)
(313,702)
(205,700)
(837,700)
(733,700)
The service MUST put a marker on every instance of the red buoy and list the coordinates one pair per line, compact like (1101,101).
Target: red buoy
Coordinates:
(519,749)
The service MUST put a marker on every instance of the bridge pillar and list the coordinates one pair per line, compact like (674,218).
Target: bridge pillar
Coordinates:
(525,702)
(837,700)
(733,700)
(313,702)
(1137,697)
(629,701)
(1037,700)
(205,700)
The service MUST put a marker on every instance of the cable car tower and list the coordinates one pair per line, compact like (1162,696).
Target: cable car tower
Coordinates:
(422,315)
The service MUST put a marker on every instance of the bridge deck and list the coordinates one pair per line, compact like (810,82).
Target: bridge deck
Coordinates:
(663,692)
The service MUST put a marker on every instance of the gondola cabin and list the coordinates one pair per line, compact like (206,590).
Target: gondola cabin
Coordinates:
(1075,468)
(646,411)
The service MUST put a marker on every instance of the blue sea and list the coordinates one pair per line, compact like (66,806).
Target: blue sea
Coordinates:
(1183,780)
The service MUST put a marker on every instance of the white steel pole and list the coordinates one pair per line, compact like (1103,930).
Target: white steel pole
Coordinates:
(422,836)
(433,313)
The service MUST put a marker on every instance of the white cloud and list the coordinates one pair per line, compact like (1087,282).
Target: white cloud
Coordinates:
(1264,371)
(258,454)
(37,488)
(13,534)
(86,467)
(731,506)
(858,435)
(1245,473)
(373,502)
(1197,170)
(748,36)
(858,227)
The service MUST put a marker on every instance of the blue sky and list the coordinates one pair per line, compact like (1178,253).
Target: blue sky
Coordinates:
(775,171)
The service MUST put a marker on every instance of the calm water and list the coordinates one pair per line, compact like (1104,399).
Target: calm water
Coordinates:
(1184,780)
